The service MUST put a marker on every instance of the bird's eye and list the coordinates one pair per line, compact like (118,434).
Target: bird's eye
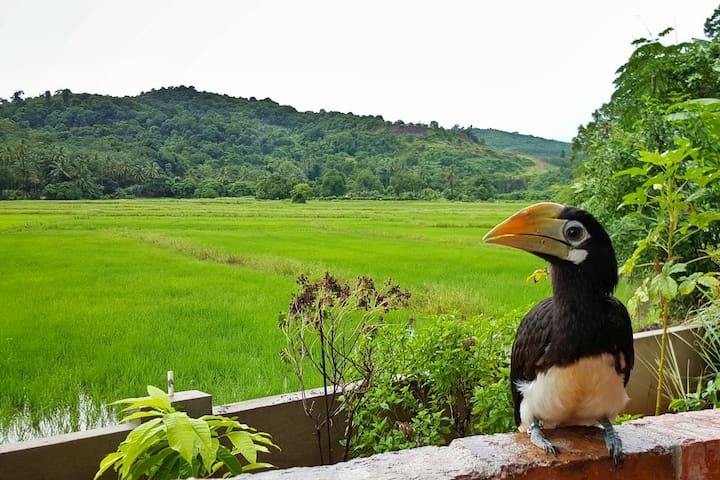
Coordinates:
(575,232)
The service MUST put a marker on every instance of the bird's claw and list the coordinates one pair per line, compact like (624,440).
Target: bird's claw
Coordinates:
(537,437)
(613,443)
(614,446)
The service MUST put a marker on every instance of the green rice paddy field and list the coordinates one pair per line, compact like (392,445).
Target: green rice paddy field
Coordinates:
(99,299)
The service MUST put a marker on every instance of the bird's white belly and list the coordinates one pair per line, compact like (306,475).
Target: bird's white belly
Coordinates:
(577,394)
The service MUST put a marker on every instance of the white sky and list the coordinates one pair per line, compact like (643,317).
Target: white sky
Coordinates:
(536,67)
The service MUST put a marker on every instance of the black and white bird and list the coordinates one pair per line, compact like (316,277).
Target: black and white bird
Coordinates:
(573,352)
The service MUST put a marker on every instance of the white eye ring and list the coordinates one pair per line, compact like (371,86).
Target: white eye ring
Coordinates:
(575,233)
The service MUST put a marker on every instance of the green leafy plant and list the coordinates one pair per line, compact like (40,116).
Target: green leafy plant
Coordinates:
(445,378)
(626,417)
(670,206)
(170,444)
(397,385)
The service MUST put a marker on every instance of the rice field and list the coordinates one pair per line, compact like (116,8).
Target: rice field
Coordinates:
(99,299)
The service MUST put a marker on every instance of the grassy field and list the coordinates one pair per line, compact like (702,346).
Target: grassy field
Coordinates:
(99,299)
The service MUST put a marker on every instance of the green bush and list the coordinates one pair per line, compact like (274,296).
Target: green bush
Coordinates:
(300,193)
(398,385)
(445,379)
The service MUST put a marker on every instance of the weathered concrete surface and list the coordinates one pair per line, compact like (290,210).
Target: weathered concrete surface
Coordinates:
(293,431)
(681,446)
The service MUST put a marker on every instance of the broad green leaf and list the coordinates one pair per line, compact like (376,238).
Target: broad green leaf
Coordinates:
(657,181)
(632,171)
(206,443)
(160,395)
(230,460)
(144,431)
(140,441)
(169,470)
(687,286)
(108,461)
(218,421)
(673,268)
(709,281)
(665,286)
(242,441)
(702,176)
(181,436)
(264,438)
(653,158)
(187,470)
(150,403)
(141,414)
(127,400)
(155,460)
(257,465)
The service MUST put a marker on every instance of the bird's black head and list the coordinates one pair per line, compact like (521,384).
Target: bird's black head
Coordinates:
(571,239)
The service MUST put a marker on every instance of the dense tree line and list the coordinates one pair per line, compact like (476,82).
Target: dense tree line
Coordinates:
(179,142)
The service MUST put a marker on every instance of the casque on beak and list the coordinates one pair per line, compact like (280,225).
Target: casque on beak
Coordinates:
(535,229)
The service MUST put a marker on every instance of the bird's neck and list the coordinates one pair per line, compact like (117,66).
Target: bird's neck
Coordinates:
(579,288)
(579,312)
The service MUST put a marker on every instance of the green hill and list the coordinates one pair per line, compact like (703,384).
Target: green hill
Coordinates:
(180,142)
(553,152)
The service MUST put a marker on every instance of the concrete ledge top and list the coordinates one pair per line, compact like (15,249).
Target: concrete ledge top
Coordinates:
(680,446)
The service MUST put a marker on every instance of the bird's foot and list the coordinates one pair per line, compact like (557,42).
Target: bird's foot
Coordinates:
(537,437)
(612,441)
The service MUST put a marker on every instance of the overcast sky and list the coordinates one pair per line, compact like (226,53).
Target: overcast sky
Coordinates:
(536,67)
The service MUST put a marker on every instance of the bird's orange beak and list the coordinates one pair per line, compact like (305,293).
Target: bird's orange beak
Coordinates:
(535,229)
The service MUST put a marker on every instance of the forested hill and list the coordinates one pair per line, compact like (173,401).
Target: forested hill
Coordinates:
(553,152)
(180,142)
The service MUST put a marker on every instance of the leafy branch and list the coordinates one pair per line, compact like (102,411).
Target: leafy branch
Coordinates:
(670,204)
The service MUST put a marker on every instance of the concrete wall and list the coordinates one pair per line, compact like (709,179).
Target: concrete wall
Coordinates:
(642,386)
(284,417)
(77,455)
(667,447)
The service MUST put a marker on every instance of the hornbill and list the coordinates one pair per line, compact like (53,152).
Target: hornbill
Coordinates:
(573,352)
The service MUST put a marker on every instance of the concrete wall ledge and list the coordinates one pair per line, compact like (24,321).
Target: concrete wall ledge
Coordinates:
(671,446)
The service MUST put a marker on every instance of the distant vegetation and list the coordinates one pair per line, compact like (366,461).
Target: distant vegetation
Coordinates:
(553,152)
(179,142)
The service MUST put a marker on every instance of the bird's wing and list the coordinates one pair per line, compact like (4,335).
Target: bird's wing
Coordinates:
(620,321)
(528,349)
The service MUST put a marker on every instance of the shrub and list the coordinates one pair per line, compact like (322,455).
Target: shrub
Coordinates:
(300,193)
(445,379)
(172,445)
(399,385)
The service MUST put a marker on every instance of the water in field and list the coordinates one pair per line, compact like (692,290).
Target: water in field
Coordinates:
(27,425)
